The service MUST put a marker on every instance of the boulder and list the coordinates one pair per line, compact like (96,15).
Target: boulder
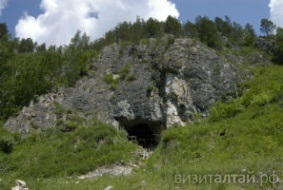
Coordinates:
(21,185)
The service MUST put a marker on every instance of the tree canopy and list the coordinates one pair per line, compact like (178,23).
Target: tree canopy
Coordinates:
(278,55)
(208,33)
(267,27)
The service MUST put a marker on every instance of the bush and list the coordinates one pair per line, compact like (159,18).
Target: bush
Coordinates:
(149,89)
(113,82)
(69,126)
(125,71)
(223,111)
(6,142)
(97,133)
(131,77)
(261,99)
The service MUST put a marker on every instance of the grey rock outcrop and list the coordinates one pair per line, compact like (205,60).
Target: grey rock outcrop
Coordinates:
(158,83)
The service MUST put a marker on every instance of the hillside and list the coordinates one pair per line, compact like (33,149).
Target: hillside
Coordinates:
(251,145)
(176,111)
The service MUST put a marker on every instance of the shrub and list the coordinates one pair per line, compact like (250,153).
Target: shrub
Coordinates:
(6,142)
(113,82)
(261,99)
(131,77)
(223,111)
(69,126)
(149,89)
(125,71)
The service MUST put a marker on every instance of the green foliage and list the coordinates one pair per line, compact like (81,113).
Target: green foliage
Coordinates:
(113,82)
(153,28)
(225,27)
(125,71)
(249,35)
(6,141)
(222,111)
(267,27)
(190,29)
(278,54)
(261,99)
(173,26)
(170,41)
(144,42)
(26,46)
(263,89)
(131,77)
(4,33)
(140,30)
(29,73)
(233,31)
(208,33)
(73,122)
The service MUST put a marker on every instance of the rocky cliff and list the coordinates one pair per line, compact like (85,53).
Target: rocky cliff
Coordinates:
(150,86)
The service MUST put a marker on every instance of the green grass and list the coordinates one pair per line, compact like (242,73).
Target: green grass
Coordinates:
(54,153)
(253,126)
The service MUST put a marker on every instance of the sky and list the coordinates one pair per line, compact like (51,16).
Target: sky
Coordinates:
(56,21)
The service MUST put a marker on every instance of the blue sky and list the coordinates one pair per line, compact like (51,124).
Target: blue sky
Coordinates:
(241,11)
(15,10)
(24,17)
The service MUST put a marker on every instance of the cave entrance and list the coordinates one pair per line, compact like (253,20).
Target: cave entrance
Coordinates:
(144,133)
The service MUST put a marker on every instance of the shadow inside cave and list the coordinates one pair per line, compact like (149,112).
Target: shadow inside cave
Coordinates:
(144,133)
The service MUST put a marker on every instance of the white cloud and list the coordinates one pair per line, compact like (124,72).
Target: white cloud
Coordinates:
(276,12)
(62,18)
(3,4)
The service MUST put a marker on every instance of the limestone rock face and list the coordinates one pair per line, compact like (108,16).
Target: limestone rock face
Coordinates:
(161,82)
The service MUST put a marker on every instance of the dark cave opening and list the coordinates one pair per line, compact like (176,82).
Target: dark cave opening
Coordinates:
(144,133)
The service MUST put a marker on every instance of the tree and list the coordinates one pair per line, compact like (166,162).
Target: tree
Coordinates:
(41,48)
(137,30)
(190,29)
(278,55)
(208,32)
(122,31)
(237,32)
(224,27)
(26,46)
(249,35)
(173,26)
(153,28)
(4,33)
(267,27)
(7,47)
(80,42)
